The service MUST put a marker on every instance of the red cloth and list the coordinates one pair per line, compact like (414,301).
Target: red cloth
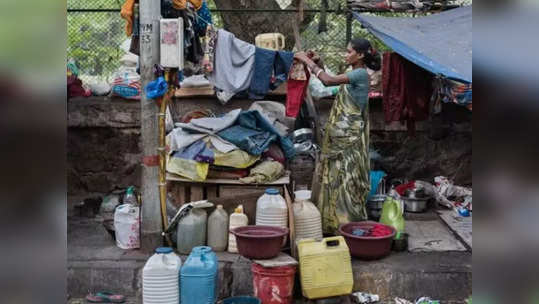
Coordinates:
(406,90)
(295,94)
(402,188)
(75,89)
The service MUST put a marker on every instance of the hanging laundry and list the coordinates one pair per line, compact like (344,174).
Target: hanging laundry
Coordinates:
(210,41)
(127,13)
(179,4)
(193,51)
(407,90)
(196,3)
(448,90)
(298,81)
(267,63)
(203,19)
(234,64)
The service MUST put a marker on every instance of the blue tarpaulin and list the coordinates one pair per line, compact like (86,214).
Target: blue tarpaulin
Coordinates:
(440,43)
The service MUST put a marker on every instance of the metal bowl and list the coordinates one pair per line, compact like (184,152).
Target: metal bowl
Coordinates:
(302,135)
(415,204)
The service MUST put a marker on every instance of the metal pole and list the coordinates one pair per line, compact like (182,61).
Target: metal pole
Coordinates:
(348,24)
(150,12)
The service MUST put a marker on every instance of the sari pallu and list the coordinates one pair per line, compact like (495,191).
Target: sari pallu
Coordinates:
(345,164)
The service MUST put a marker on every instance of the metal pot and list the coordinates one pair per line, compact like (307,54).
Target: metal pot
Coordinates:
(415,204)
(374,206)
(301,135)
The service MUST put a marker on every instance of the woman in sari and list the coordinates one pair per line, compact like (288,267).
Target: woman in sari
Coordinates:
(345,150)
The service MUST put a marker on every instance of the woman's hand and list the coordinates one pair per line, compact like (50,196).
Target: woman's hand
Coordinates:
(303,57)
(316,58)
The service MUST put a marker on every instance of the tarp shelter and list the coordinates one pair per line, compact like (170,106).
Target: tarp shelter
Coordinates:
(440,43)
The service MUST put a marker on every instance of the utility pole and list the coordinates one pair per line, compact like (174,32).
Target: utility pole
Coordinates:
(150,12)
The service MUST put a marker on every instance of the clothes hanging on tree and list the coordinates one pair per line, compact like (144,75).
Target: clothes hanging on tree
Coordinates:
(267,63)
(407,90)
(298,81)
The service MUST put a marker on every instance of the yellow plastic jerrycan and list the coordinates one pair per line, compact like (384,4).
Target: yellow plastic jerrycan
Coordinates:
(325,267)
(273,41)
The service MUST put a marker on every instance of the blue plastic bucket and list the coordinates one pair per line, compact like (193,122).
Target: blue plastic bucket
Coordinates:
(242,300)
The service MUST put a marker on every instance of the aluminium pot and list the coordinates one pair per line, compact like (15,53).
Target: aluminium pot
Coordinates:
(416,205)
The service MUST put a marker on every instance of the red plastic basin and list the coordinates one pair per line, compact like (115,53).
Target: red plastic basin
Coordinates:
(367,247)
(259,242)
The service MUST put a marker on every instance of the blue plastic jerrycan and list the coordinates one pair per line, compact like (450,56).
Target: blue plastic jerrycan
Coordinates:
(199,277)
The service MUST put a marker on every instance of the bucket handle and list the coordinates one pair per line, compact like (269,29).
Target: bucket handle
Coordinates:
(332,239)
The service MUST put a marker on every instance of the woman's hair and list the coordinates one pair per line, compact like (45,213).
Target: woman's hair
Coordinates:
(372,58)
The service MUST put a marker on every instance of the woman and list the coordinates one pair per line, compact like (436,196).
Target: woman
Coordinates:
(345,150)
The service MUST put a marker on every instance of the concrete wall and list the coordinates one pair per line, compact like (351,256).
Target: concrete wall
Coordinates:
(104,152)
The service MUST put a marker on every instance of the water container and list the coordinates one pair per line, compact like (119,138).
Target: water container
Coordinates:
(392,214)
(237,219)
(274,285)
(218,229)
(307,218)
(160,277)
(199,277)
(192,230)
(325,267)
(271,209)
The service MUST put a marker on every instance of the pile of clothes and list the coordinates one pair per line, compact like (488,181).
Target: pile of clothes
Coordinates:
(375,231)
(251,145)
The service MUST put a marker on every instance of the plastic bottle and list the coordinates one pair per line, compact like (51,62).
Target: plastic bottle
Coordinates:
(218,229)
(130,197)
(307,218)
(191,230)
(237,219)
(271,209)
(392,214)
(161,277)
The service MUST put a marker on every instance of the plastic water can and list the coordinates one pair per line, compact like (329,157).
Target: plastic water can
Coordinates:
(199,277)
(392,214)
(325,267)
(237,219)
(271,209)
(218,229)
(307,218)
(191,230)
(160,277)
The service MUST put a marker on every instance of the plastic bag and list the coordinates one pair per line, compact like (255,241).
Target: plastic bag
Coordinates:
(156,88)
(126,83)
(127,226)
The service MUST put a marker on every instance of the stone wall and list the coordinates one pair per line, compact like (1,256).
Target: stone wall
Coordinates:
(104,152)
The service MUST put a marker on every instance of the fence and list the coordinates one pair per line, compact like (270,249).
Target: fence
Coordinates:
(96,30)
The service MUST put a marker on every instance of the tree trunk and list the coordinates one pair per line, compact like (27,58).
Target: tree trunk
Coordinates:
(247,25)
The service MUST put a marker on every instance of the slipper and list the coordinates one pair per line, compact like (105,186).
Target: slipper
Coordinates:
(105,297)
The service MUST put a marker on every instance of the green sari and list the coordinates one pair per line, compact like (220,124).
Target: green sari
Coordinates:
(345,164)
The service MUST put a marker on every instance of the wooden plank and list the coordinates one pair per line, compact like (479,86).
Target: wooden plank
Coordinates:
(179,193)
(211,192)
(462,226)
(282,259)
(429,236)
(291,224)
(232,190)
(206,91)
(285,180)
(197,193)
(248,200)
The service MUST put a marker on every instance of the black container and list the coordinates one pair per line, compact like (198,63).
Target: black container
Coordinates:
(400,244)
